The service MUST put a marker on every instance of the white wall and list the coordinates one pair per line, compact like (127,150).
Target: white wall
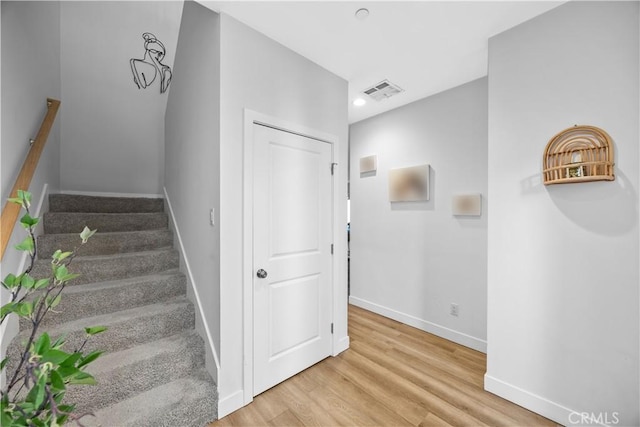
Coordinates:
(563,260)
(410,261)
(264,76)
(113,132)
(192,159)
(30,70)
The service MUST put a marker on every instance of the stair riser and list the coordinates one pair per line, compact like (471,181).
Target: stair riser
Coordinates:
(119,336)
(62,222)
(105,243)
(127,381)
(76,305)
(93,270)
(73,203)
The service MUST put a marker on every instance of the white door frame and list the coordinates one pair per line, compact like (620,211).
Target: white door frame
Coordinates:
(250,119)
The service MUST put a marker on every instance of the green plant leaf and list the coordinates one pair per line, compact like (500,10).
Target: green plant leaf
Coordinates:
(55,356)
(3,363)
(59,341)
(43,344)
(27,281)
(61,271)
(89,358)
(86,234)
(25,196)
(82,378)
(23,199)
(28,221)
(25,308)
(26,245)
(42,283)
(69,277)
(67,372)
(59,255)
(10,281)
(56,381)
(69,362)
(54,302)
(6,419)
(95,330)
(40,387)
(8,308)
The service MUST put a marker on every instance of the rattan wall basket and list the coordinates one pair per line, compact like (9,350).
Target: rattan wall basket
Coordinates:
(578,154)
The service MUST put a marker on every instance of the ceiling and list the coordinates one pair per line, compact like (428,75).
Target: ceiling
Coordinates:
(424,47)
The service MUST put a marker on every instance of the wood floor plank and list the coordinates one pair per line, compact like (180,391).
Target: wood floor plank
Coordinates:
(303,406)
(392,375)
(433,421)
(286,419)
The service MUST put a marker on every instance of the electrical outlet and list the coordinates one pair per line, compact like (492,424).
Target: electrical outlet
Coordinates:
(453,309)
(212,217)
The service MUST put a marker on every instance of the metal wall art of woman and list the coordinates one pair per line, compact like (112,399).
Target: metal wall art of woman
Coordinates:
(146,70)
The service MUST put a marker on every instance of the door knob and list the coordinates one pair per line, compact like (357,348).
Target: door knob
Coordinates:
(261,274)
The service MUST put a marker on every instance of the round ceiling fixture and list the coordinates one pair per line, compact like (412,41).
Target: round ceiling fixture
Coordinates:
(362,13)
(359,102)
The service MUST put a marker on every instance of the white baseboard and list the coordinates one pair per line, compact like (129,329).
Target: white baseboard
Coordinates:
(213,368)
(535,403)
(231,403)
(433,328)
(107,194)
(341,345)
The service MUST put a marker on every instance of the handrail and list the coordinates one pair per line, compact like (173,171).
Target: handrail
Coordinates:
(11,211)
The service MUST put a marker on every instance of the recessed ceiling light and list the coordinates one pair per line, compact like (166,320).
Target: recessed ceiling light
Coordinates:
(362,13)
(359,102)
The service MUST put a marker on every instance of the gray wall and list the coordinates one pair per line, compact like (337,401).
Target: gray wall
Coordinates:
(192,155)
(30,74)
(264,76)
(410,261)
(222,68)
(113,132)
(563,260)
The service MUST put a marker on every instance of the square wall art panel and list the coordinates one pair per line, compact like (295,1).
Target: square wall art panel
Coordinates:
(409,184)
(368,164)
(467,205)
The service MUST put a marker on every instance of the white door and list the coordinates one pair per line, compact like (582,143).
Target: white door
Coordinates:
(291,255)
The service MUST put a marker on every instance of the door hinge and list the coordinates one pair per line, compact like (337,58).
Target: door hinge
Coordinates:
(332,249)
(332,328)
(333,166)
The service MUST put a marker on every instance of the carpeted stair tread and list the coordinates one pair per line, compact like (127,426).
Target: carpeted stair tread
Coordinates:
(99,268)
(79,203)
(126,328)
(105,243)
(105,297)
(74,222)
(188,401)
(123,374)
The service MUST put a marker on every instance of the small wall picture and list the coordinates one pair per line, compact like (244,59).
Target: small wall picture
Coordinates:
(368,164)
(467,205)
(146,69)
(409,184)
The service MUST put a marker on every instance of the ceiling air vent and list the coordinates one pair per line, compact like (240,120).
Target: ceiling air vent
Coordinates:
(383,90)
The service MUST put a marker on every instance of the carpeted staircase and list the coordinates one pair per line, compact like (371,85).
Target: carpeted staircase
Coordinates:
(152,373)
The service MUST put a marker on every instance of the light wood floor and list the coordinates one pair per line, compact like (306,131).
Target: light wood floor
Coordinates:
(393,375)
